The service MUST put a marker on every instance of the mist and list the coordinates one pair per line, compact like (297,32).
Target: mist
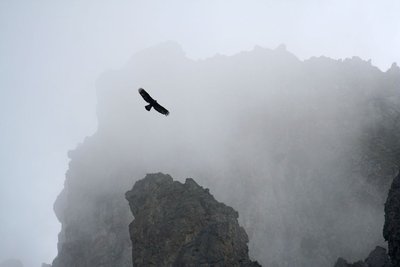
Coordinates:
(238,131)
(279,139)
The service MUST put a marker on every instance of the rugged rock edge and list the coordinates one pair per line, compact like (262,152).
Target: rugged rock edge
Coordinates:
(183,225)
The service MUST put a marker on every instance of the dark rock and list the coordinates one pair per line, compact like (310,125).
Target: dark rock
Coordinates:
(343,263)
(377,258)
(183,225)
(11,263)
(391,229)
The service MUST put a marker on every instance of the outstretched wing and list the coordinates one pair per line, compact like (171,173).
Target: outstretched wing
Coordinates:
(160,109)
(146,96)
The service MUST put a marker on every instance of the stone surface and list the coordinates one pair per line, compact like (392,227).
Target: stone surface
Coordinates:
(343,263)
(183,225)
(377,258)
(391,229)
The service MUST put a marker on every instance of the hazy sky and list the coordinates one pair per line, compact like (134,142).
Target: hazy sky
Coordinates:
(51,53)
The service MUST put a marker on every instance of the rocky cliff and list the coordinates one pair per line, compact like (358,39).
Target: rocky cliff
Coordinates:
(183,225)
(92,210)
(377,258)
(303,150)
(391,230)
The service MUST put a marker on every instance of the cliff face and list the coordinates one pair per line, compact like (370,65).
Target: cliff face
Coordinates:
(280,139)
(183,225)
(93,213)
(391,230)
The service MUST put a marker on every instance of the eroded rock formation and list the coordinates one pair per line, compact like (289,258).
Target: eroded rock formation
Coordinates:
(183,225)
(391,229)
(377,258)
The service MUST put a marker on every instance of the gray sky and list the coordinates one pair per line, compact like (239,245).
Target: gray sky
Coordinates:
(51,53)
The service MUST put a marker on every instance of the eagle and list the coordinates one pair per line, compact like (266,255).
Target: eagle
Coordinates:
(152,103)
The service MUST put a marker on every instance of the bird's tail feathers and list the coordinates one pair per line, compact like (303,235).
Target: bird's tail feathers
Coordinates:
(148,107)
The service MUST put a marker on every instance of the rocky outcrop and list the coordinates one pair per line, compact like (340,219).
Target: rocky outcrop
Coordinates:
(391,229)
(92,211)
(183,225)
(377,258)
(343,263)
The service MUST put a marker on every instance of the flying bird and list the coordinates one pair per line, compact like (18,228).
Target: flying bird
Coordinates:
(152,103)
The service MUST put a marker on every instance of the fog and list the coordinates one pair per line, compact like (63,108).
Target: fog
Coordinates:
(279,139)
(54,53)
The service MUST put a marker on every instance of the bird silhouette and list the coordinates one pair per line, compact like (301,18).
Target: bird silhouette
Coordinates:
(152,103)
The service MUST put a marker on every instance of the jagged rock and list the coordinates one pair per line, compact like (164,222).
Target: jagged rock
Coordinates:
(11,263)
(377,258)
(343,263)
(391,229)
(183,225)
